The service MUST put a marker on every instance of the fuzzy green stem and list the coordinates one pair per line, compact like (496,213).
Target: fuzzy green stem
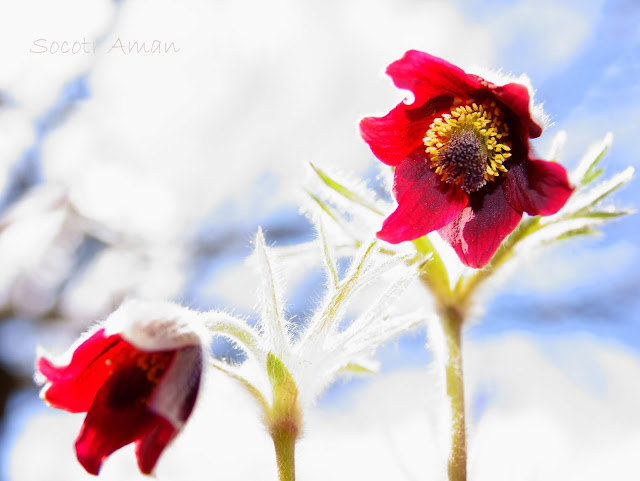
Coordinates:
(451,322)
(284,441)
(284,419)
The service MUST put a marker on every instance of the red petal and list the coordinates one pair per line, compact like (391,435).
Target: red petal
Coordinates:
(191,382)
(429,77)
(74,386)
(424,202)
(176,394)
(83,355)
(537,187)
(118,416)
(516,98)
(481,227)
(150,447)
(394,136)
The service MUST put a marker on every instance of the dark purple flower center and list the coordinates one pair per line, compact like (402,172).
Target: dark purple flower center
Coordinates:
(468,146)
(464,157)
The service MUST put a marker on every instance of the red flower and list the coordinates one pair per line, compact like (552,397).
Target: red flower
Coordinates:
(137,377)
(462,158)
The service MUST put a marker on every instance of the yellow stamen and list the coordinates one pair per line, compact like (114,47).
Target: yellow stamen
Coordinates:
(485,120)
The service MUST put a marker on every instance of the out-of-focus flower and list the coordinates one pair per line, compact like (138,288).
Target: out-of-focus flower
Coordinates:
(462,160)
(59,263)
(136,375)
(38,237)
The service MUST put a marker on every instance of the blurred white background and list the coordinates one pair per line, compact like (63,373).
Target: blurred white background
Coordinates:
(146,174)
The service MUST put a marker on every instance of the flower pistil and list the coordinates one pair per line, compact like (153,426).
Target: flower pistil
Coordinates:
(469,145)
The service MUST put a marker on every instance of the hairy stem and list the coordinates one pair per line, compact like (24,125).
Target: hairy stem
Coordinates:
(451,322)
(284,441)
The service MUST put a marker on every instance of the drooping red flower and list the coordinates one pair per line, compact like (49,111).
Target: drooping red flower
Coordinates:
(136,376)
(462,157)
